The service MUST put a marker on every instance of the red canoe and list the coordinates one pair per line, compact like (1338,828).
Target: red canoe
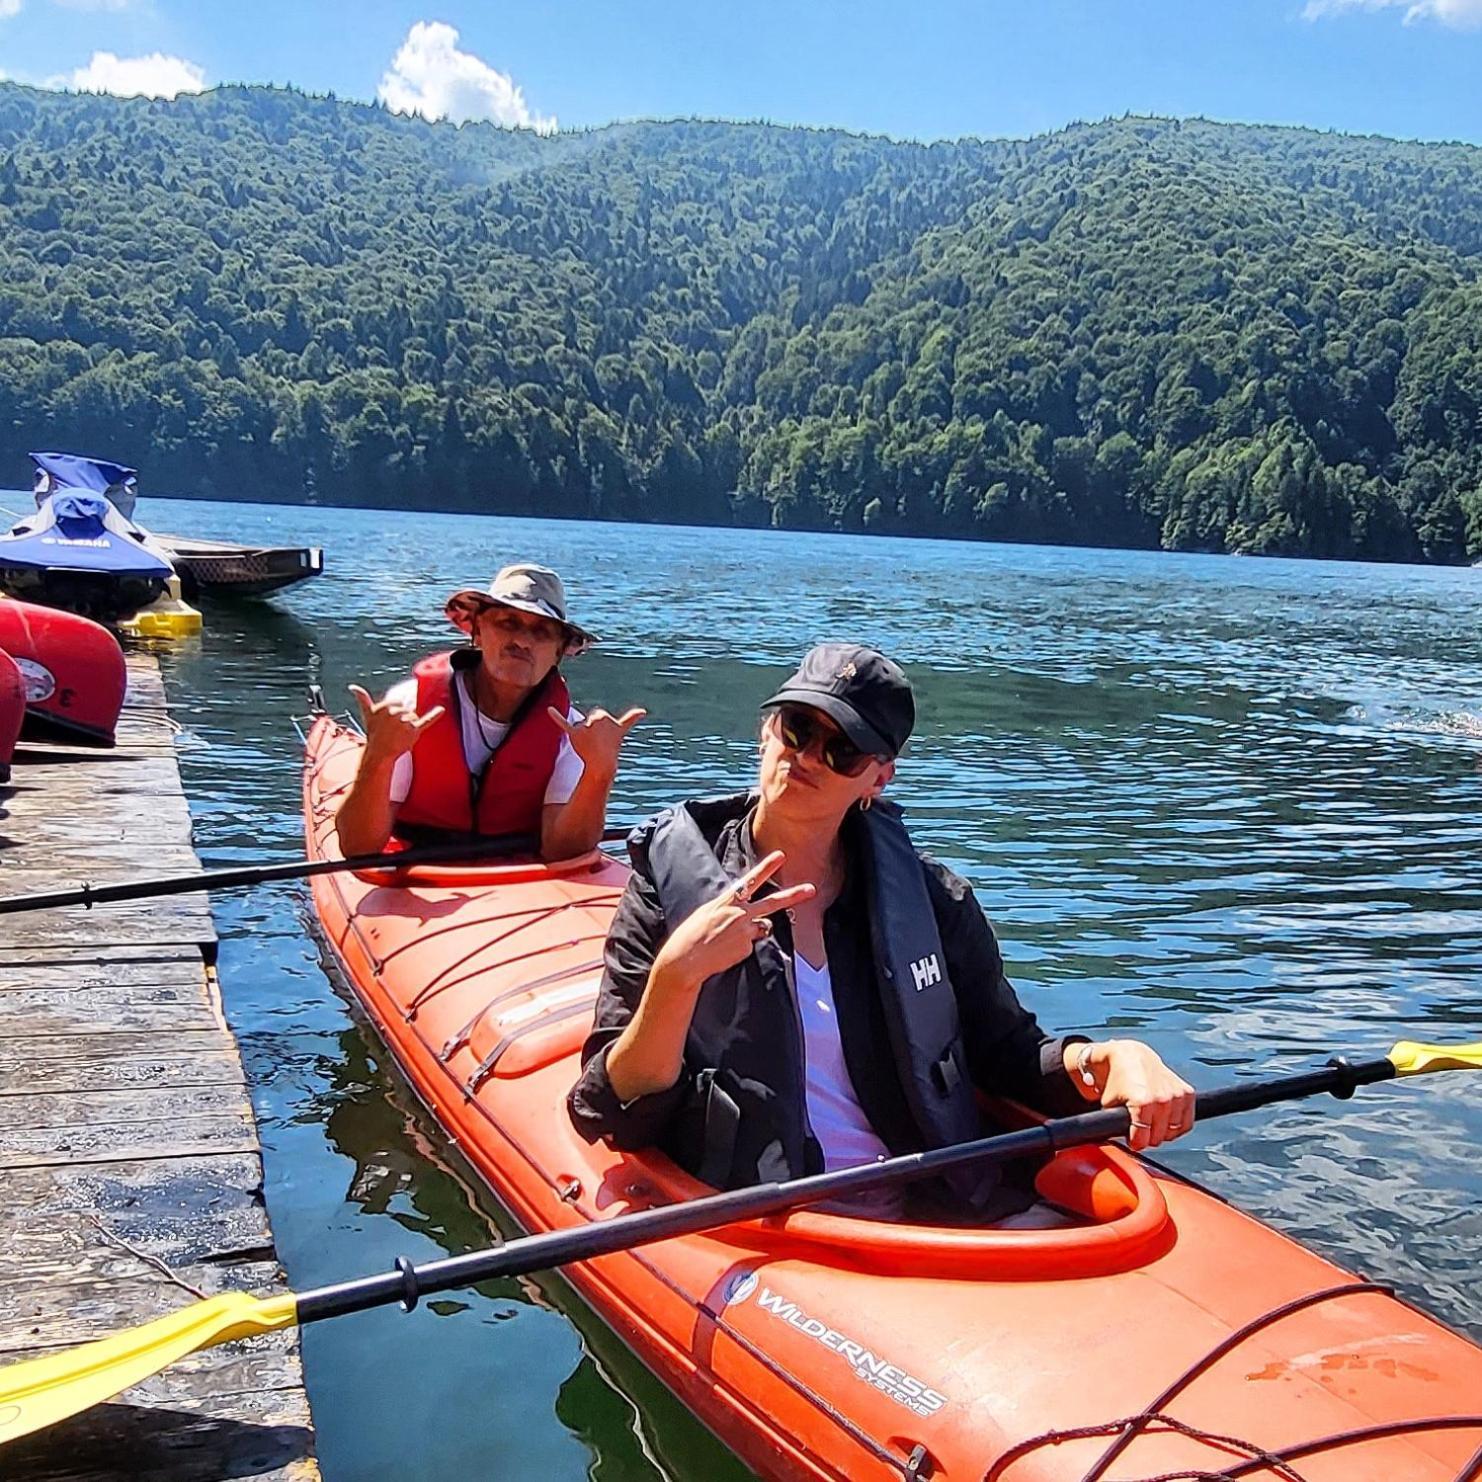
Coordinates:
(1187,1336)
(73,670)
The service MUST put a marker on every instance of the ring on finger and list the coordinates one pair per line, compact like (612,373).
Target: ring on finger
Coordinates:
(1133,1122)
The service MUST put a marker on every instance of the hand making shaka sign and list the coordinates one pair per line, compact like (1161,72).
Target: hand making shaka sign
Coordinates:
(391,729)
(597,737)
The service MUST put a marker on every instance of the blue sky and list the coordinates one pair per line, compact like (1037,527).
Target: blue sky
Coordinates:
(911,68)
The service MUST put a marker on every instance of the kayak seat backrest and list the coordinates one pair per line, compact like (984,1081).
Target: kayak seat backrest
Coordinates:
(1087,1184)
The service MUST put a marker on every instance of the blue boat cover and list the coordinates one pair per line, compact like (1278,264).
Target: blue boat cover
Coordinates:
(79,531)
(73,471)
(80,516)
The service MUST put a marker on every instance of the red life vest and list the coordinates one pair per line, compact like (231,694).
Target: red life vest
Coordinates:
(507,796)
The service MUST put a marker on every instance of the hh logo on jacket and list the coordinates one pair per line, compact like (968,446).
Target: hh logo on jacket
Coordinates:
(926,971)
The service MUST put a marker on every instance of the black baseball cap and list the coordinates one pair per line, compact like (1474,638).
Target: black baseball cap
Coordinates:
(867,696)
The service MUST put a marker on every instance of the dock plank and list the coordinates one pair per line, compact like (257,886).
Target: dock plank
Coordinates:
(132,1171)
(116,1061)
(66,1012)
(179,1210)
(238,1413)
(45,1111)
(185,921)
(205,1132)
(184,1437)
(70,967)
(81,955)
(103,1291)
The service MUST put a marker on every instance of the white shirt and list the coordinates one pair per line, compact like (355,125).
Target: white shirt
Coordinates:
(481,736)
(835,1116)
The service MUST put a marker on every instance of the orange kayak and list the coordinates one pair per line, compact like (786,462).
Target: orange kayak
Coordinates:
(1169,1336)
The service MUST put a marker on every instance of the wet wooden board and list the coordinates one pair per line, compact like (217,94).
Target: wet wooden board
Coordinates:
(129,1152)
(90,1295)
(83,863)
(65,1012)
(116,1061)
(100,816)
(81,955)
(181,1210)
(183,921)
(237,1412)
(268,1436)
(107,772)
(103,1126)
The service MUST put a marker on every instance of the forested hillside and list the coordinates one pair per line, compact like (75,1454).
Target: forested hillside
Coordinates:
(1143,332)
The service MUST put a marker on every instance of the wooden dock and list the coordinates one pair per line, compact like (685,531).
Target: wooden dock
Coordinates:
(132,1176)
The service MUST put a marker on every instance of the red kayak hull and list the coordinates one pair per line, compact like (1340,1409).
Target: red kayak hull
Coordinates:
(73,670)
(12,710)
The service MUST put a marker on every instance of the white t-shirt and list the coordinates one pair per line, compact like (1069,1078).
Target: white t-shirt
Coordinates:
(837,1119)
(480,738)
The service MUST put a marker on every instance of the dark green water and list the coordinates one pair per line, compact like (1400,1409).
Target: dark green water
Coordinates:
(1231,806)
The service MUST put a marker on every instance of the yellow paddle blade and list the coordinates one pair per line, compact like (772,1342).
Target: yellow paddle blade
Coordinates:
(41,1391)
(1409,1058)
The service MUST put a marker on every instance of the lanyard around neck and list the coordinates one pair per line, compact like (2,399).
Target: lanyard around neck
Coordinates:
(478,776)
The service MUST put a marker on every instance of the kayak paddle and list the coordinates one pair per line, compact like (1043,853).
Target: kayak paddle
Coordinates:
(454,852)
(41,1391)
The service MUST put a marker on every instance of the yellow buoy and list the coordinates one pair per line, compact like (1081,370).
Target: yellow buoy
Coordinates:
(168,616)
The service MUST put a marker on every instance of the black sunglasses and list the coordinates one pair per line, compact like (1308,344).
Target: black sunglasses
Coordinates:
(800,727)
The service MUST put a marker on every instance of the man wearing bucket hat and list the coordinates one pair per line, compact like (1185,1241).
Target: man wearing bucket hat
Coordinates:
(484,740)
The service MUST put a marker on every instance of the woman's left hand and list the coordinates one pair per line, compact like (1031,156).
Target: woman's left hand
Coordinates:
(1131,1074)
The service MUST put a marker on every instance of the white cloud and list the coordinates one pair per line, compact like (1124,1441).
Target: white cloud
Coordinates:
(1460,15)
(9,8)
(154,76)
(430,76)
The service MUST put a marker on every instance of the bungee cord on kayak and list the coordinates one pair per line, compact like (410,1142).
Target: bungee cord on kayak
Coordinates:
(1278,1461)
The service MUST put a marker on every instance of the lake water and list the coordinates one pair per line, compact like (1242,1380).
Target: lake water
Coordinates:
(1228,805)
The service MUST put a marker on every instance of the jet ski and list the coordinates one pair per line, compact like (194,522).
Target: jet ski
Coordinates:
(81,553)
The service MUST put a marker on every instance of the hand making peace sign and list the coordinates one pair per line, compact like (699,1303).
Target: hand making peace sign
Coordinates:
(721,932)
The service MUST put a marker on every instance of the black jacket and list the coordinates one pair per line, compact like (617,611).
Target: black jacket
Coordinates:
(761,1058)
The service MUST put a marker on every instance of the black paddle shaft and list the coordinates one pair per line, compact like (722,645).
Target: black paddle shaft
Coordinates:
(604,1237)
(455,852)
(1337,1076)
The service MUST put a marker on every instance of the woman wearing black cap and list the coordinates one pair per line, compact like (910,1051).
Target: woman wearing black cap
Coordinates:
(790,987)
